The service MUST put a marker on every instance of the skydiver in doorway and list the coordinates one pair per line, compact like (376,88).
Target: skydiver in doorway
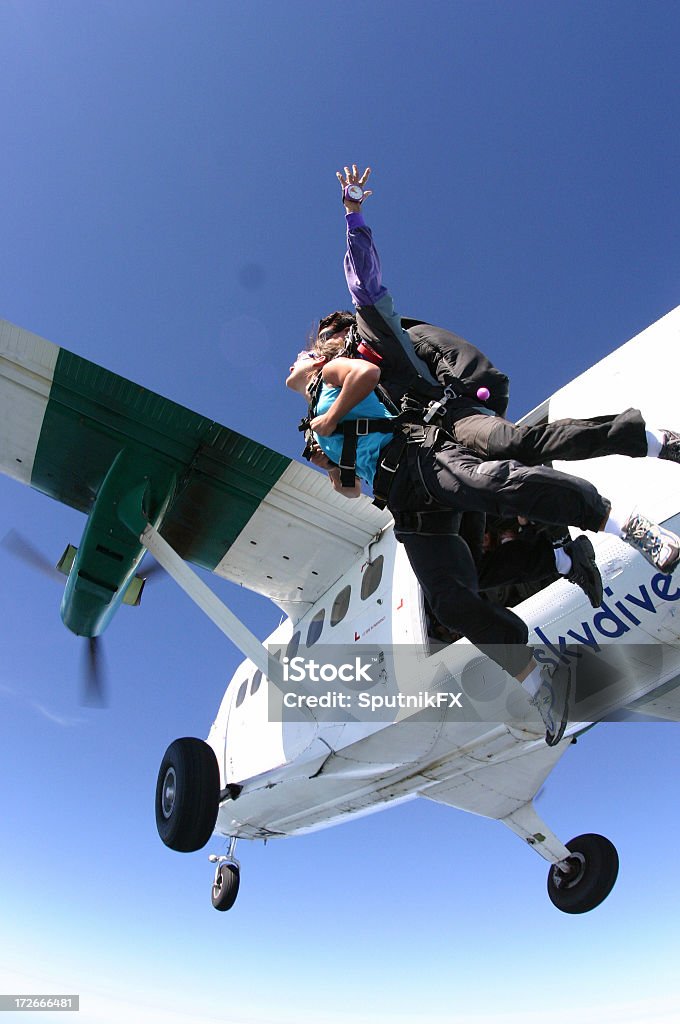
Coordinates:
(432,478)
(473,415)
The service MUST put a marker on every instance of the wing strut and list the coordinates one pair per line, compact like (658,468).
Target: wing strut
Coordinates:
(130,512)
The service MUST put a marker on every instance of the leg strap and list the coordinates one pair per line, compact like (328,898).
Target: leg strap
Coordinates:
(387,467)
(435,522)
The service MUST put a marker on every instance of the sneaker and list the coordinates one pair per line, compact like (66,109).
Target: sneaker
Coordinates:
(584,571)
(670,449)
(552,701)
(659,547)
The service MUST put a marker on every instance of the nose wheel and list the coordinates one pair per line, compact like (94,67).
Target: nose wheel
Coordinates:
(586,877)
(227,878)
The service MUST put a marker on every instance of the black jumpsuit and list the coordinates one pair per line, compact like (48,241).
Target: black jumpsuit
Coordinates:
(436,476)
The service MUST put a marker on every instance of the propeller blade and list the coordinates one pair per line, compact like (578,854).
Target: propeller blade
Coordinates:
(94,674)
(24,550)
(94,689)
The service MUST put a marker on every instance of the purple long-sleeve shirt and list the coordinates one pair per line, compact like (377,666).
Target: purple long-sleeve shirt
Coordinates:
(363,274)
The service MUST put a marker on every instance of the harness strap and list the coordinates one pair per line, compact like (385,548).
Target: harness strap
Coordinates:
(351,431)
(412,436)
(436,522)
(387,467)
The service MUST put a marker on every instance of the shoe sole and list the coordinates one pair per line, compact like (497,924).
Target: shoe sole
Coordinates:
(670,565)
(672,539)
(584,545)
(673,566)
(553,739)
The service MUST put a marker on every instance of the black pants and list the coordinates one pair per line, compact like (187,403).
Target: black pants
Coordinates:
(492,437)
(435,476)
(569,440)
(446,572)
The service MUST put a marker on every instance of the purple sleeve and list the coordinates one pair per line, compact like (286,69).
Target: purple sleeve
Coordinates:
(362,263)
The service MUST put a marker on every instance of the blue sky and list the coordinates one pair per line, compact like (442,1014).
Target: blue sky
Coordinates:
(169,210)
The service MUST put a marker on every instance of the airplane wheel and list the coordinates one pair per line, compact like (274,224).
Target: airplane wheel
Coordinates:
(225,887)
(187,795)
(594,867)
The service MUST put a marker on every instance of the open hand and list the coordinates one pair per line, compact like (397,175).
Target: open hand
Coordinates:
(352,177)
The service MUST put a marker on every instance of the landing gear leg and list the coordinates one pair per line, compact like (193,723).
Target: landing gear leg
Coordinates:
(227,878)
(583,870)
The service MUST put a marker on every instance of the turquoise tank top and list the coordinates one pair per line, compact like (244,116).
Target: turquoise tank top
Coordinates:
(369,446)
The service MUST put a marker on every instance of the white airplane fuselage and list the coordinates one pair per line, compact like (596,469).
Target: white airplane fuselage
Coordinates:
(306,774)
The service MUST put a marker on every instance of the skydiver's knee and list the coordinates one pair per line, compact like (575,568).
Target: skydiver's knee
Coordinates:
(475,432)
(505,441)
(456,607)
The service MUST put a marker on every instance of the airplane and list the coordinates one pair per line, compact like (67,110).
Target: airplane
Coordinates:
(403,715)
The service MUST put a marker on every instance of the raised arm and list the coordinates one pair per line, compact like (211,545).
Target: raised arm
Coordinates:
(363,272)
(377,320)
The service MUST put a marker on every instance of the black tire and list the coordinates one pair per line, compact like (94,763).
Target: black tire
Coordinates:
(225,887)
(595,867)
(187,795)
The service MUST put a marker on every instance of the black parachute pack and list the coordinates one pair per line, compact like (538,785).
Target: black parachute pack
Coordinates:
(459,368)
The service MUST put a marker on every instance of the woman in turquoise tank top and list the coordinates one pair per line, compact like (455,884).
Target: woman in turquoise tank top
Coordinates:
(368,451)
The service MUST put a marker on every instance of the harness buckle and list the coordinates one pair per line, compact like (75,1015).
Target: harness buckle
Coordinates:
(416,434)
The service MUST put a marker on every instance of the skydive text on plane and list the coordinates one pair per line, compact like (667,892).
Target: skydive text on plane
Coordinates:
(611,621)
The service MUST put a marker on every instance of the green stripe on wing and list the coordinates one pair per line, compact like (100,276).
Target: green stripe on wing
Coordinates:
(93,414)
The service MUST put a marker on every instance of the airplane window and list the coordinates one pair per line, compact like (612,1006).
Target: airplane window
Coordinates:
(241,695)
(315,627)
(293,644)
(255,685)
(371,578)
(340,606)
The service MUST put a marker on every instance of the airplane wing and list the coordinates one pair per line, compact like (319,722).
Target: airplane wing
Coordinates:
(238,508)
(505,791)
(500,789)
